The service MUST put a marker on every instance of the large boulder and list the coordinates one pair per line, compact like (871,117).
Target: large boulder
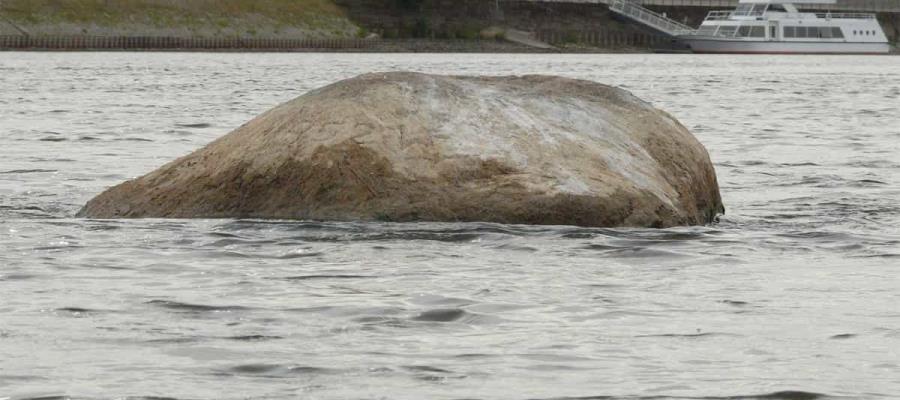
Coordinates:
(413,147)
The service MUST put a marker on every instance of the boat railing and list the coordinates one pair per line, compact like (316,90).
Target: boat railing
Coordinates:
(719,15)
(726,15)
(846,15)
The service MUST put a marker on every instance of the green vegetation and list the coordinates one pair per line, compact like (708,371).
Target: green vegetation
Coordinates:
(322,16)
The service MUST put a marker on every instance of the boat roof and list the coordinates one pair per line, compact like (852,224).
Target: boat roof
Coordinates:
(788,1)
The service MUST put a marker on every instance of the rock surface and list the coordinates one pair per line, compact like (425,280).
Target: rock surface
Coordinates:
(409,147)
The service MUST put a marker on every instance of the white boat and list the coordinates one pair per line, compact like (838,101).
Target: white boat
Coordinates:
(778,27)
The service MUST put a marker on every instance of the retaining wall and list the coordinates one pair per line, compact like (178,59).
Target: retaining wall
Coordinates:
(603,38)
(174,43)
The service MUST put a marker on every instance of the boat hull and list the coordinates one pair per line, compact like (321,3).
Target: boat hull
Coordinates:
(719,46)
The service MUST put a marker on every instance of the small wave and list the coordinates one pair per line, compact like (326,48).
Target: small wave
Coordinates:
(323,276)
(620,314)
(426,368)
(752,163)
(880,255)
(52,139)
(78,310)
(298,254)
(781,395)
(228,254)
(432,374)
(225,235)
(16,277)
(253,338)
(237,254)
(178,306)
(843,336)
(869,182)
(194,125)
(237,241)
(27,171)
(60,245)
(517,248)
(601,247)
(687,335)
(642,252)
(816,235)
(276,370)
(441,315)
(476,355)
(452,237)
(176,340)
(578,235)
(371,322)
(62,397)
(454,315)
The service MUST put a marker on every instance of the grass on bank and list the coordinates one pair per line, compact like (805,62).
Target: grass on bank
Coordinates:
(163,13)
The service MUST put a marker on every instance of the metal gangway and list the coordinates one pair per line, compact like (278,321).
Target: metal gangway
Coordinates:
(659,22)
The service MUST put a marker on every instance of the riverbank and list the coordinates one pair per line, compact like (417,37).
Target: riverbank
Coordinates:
(247,19)
(470,26)
(316,25)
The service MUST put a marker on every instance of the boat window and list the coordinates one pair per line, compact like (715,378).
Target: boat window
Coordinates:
(758,31)
(759,9)
(824,32)
(801,32)
(743,9)
(836,32)
(748,10)
(707,30)
(727,31)
(789,32)
(743,31)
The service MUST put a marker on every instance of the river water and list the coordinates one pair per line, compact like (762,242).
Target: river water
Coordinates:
(795,294)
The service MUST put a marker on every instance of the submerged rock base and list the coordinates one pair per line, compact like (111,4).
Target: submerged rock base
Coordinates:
(416,147)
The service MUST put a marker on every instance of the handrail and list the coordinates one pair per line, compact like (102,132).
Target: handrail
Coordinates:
(725,15)
(846,15)
(650,18)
